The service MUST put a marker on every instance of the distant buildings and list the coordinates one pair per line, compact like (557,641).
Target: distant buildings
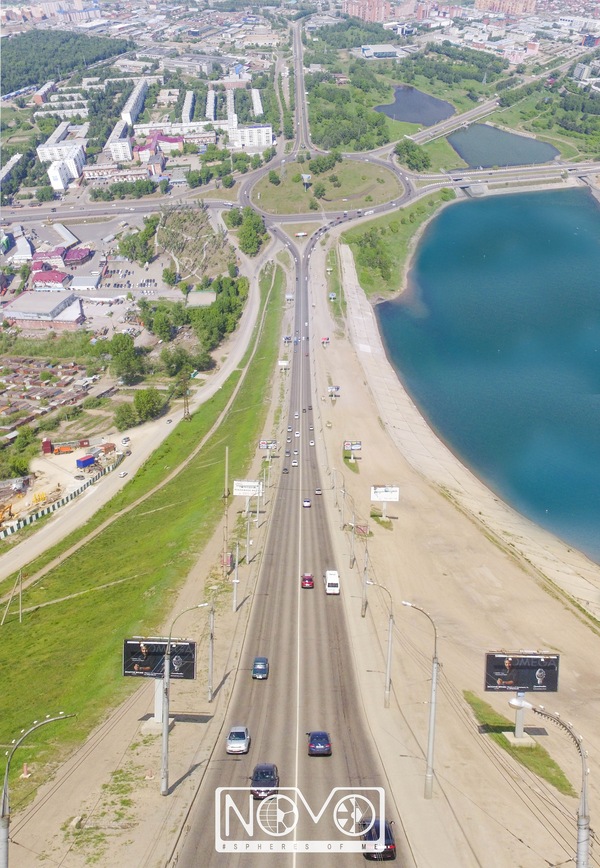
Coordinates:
(368,10)
(135,103)
(66,152)
(187,112)
(508,7)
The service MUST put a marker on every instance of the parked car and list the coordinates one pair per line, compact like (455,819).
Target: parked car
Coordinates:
(377,850)
(319,743)
(238,740)
(260,668)
(307,580)
(264,781)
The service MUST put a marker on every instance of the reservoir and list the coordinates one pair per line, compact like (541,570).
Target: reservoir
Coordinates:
(485,146)
(497,340)
(415,107)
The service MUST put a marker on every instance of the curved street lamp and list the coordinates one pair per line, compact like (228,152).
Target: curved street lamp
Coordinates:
(164,774)
(583,815)
(388,665)
(5,812)
(432,701)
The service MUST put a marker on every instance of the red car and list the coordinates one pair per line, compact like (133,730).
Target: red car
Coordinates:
(308,580)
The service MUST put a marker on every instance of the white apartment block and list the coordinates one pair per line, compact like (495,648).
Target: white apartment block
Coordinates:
(256,102)
(134,104)
(118,143)
(59,175)
(211,104)
(251,137)
(187,112)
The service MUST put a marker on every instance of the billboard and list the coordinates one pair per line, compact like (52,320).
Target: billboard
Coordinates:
(267,444)
(352,445)
(385,493)
(145,658)
(521,671)
(247,487)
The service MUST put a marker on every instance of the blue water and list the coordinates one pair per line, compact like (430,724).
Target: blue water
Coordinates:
(415,107)
(485,146)
(498,342)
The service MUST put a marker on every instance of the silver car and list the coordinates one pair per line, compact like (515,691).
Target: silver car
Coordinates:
(238,740)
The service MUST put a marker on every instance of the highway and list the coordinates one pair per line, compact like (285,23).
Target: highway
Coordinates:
(303,633)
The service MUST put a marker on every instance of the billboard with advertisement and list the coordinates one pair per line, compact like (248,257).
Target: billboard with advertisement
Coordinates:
(145,658)
(521,670)
(352,445)
(247,487)
(385,493)
(267,444)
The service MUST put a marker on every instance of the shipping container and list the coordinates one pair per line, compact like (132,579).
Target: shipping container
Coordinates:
(46,446)
(108,447)
(84,443)
(86,461)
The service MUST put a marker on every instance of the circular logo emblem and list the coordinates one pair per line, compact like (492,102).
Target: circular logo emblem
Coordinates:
(354,815)
(277,815)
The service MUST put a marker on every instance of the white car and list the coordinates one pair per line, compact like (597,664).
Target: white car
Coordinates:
(306,503)
(311,443)
(294,462)
(297,434)
(238,740)
(122,474)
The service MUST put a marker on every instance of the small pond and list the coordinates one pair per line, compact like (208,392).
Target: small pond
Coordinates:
(415,107)
(484,146)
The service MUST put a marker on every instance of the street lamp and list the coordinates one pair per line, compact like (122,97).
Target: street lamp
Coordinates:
(5,811)
(583,816)
(164,774)
(434,675)
(388,665)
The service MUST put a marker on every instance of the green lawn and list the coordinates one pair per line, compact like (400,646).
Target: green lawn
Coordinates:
(66,655)
(361,184)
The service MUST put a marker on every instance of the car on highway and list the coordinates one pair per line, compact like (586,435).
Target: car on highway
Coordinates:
(297,434)
(306,503)
(294,462)
(287,453)
(125,441)
(318,491)
(296,415)
(290,429)
(307,580)
(238,740)
(286,470)
(319,743)
(122,474)
(379,847)
(264,781)
(169,421)
(260,668)
(311,442)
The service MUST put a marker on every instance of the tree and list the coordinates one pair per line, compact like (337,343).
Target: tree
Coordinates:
(169,276)
(148,403)
(162,326)
(125,364)
(44,194)
(125,416)
(274,178)
(228,181)
(319,191)
(163,186)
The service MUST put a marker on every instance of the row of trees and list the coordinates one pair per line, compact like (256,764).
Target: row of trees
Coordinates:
(128,190)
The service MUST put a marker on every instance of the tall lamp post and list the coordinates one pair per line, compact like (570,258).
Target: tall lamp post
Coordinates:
(388,665)
(434,676)
(164,773)
(5,812)
(583,816)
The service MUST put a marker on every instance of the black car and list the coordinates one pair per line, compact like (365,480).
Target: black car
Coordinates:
(264,781)
(319,743)
(374,849)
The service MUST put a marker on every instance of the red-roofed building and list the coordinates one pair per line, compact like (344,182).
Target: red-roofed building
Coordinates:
(53,257)
(49,280)
(78,255)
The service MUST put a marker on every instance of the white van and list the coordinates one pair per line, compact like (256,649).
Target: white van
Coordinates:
(332,582)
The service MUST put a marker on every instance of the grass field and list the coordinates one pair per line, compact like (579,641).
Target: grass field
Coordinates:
(66,655)
(361,184)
